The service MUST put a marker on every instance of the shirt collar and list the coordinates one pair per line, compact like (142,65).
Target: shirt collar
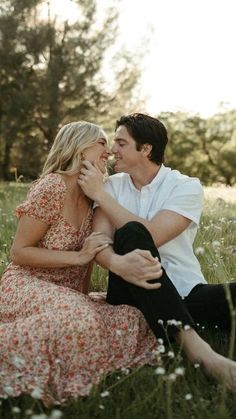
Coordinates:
(158,179)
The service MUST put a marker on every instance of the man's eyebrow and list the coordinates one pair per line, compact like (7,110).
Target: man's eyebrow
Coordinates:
(120,139)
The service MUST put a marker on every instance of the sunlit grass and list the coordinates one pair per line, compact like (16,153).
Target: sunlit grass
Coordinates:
(178,390)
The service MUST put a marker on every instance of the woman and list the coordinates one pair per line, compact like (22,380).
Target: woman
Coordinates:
(56,342)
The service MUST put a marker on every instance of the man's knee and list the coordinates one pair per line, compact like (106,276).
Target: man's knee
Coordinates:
(133,235)
(132,226)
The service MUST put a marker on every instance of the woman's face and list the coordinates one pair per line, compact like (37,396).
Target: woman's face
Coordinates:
(98,153)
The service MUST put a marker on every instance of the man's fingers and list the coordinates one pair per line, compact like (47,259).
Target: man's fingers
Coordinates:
(149,271)
(83,172)
(149,286)
(87,164)
(147,255)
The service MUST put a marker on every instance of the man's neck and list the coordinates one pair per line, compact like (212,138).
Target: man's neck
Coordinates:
(145,176)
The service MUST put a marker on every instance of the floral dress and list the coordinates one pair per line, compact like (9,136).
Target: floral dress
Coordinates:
(55,341)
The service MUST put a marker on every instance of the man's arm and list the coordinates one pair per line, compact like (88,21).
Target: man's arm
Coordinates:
(137,267)
(164,226)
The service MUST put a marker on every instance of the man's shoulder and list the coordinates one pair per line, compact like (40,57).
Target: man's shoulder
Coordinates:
(176,178)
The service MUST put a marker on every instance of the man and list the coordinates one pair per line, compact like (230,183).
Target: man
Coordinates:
(148,206)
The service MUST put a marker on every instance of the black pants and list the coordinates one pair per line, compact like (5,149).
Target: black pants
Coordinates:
(162,308)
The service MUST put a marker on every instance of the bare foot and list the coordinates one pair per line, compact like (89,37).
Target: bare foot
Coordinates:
(221,368)
(215,365)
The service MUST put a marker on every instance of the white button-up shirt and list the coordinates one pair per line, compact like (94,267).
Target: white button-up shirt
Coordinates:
(169,190)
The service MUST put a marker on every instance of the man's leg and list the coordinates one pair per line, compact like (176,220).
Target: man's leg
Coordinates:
(161,305)
(208,305)
(165,303)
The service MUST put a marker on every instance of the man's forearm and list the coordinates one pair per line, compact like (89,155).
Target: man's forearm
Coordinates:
(108,259)
(119,215)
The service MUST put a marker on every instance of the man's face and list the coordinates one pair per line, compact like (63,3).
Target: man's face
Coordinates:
(124,149)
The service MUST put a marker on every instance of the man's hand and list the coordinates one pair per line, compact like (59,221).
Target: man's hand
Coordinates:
(91,180)
(138,267)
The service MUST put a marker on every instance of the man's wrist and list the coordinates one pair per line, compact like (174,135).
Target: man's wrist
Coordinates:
(101,197)
(115,263)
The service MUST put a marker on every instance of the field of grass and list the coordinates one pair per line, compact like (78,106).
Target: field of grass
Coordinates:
(178,389)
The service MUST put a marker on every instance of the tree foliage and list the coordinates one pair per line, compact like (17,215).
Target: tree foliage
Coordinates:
(202,147)
(51,74)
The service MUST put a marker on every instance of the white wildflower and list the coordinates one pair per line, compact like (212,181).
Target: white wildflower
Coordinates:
(16,409)
(215,244)
(160,371)
(196,365)
(199,250)
(179,371)
(172,377)
(161,349)
(55,414)
(188,396)
(37,393)
(125,371)
(159,321)
(105,393)
(40,416)
(101,406)
(171,322)
(186,327)
(171,354)
(160,341)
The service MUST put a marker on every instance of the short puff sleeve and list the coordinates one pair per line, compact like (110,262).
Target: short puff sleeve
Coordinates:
(45,199)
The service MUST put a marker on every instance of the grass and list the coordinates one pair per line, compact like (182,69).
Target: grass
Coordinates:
(147,392)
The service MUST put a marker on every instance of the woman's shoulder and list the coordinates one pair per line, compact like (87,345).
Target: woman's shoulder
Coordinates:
(50,184)
(45,198)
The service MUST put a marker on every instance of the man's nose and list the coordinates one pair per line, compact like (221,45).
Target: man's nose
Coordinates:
(113,148)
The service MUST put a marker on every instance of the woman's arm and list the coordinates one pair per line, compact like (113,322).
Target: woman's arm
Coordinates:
(24,250)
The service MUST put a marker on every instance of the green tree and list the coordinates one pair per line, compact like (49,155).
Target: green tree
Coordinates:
(16,96)
(202,147)
(61,68)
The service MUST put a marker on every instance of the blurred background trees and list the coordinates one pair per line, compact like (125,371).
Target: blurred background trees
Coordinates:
(52,72)
(205,148)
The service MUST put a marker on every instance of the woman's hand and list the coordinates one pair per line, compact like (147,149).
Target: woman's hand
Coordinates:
(93,244)
(91,180)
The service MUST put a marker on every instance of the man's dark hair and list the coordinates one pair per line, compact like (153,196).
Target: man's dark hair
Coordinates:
(145,129)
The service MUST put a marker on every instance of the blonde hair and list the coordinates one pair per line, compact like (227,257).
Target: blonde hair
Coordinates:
(71,140)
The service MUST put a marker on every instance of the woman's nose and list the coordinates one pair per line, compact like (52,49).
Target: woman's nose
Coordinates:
(108,150)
